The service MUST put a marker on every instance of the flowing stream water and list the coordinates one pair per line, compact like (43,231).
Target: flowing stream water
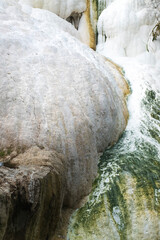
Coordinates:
(125,200)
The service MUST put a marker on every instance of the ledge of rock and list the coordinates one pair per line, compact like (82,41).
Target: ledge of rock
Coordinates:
(31,195)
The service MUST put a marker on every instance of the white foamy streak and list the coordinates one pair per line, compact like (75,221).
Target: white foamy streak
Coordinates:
(125,36)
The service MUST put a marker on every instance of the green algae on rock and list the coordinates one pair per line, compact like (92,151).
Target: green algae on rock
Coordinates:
(31,196)
(125,200)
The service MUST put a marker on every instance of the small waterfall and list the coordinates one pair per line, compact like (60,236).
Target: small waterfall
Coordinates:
(125,200)
(129,174)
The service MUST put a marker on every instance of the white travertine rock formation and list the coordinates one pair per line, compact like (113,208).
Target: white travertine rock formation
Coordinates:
(77,12)
(61,8)
(56,93)
(130,32)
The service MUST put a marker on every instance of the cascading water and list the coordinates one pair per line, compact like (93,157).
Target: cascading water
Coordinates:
(125,201)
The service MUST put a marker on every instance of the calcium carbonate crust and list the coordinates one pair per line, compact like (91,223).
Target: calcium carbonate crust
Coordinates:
(56,94)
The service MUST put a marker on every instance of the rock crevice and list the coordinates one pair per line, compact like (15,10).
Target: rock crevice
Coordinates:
(31,196)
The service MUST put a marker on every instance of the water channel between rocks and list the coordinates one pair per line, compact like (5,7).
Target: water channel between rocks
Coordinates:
(125,200)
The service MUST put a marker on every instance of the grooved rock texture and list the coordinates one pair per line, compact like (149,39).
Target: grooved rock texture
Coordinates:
(31,195)
(77,12)
(61,8)
(56,95)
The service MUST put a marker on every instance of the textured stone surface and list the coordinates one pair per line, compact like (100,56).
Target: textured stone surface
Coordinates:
(61,8)
(125,212)
(31,195)
(61,105)
(77,12)
(55,93)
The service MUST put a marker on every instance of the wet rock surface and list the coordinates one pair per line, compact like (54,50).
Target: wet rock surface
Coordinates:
(61,105)
(31,198)
(56,93)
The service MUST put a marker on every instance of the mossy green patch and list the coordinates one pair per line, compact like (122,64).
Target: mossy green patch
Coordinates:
(127,189)
(2,154)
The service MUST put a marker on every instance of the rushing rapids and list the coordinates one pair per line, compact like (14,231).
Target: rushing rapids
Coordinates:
(125,200)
